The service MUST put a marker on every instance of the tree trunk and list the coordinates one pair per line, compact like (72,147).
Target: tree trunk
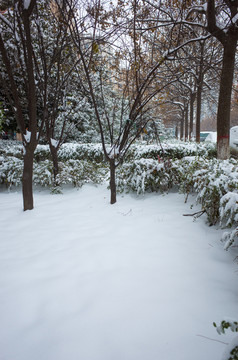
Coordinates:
(192,98)
(198,114)
(176,131)
(199,93)
(186,123)
(27,186)
(54,155)
(182,127)
(113,181)
(224,102)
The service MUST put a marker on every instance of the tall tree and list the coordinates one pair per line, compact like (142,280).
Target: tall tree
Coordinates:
(17,52)
(222,21)
(219,19)
(35,47)
(56,77)
(134,74)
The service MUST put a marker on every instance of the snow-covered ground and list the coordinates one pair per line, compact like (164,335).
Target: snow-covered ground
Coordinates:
(81,279)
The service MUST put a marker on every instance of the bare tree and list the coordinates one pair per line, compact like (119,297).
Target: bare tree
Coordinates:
(56,78)
(227,34)
(19,59)
(219,19)
(35,47)
(134,67)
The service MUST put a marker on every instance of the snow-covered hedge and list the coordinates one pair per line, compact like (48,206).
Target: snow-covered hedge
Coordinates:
(144,175)
(10,170)
(94,152)
(79,172)
(72,172)
(90,152)
(68,151)
(172,150)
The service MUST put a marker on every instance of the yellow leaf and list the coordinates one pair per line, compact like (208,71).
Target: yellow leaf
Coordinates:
(95,47)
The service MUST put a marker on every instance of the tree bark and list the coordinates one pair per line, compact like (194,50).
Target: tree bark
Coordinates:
(199,93)
(176,131)
(186,123)
(198,114)
(224,102)
(27,186)
(182,127)
(113,181)
(54,155)
(192,98)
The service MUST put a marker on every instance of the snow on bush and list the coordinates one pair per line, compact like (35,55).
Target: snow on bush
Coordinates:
(229,238)
(73,170)
(10,170)
(91,152)
(42,152)
(173,150)
(212,182)
(143,175)
(78,172)
(229,209)
(11,148)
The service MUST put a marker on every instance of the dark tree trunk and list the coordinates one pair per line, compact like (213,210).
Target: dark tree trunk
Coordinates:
(182,127)
(186,123)
(192,98)
(198,114)
(224,103)
(199,93)
(176,131)
(113,181)
(27,186)
(54,155)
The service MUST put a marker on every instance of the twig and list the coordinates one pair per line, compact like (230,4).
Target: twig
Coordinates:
(205,337)
(197,214)
(125,214)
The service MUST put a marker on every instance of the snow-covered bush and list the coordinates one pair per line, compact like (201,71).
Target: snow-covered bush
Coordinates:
(71,170)
(183,173)
(11,148)
(11,169)
(91,152)
(229,238)
(42,152)
(213,180)
(79,172)
(43,173)
(173,150)
(144,175)
(229,209)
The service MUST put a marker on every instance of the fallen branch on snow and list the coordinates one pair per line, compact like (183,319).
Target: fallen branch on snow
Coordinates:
(196,214)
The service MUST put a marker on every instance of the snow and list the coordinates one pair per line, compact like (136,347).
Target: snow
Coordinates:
(27,4)
(83,279)
(234,19)
(234,137)
(212,137)
(27,136)
(54,142)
